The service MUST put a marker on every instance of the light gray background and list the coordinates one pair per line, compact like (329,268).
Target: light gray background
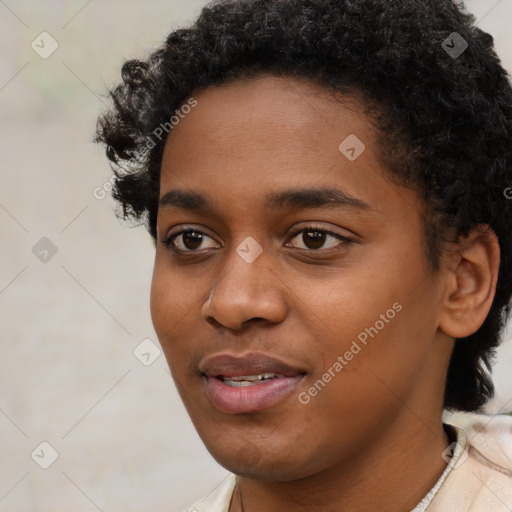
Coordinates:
(68,375)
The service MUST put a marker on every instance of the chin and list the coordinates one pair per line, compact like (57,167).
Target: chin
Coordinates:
(263,463)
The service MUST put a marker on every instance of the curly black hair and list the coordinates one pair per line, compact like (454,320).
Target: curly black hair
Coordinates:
(444,120)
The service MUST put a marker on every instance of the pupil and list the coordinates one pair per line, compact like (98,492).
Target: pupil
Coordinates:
(192,240)
(313,239)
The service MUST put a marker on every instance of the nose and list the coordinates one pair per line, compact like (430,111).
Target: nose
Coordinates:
(245,292)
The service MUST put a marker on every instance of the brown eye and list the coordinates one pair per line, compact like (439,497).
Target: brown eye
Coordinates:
(313,238)
(190,240)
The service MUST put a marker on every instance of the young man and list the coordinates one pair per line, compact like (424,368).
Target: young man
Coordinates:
(326,183)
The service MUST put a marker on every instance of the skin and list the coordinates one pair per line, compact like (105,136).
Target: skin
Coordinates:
(357,444)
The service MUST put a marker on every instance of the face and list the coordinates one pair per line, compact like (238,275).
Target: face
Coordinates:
(291,292)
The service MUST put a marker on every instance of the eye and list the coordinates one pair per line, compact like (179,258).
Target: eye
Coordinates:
(189,240)
(314,238)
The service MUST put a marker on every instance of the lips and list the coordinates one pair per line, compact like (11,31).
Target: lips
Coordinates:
(248,383)
(253,363)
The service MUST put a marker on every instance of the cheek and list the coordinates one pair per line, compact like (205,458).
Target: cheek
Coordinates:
(162,301)
(381,361)
(172,303)
(382,332)
(366,388)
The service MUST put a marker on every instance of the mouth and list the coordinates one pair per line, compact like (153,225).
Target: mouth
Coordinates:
(248,383)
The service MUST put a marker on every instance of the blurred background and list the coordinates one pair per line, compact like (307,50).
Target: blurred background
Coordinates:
(89,416)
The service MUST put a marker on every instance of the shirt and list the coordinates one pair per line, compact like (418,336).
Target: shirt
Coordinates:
(477,477)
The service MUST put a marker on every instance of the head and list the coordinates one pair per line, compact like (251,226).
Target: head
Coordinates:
(325,184)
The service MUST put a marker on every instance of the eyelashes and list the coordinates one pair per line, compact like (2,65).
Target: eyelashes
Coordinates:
(177,242)
(324,233)
(169,242)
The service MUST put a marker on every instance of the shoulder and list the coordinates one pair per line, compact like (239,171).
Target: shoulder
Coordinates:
(481,480)
(489,439)
(218,500)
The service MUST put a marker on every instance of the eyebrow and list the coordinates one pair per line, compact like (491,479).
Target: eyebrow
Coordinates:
(294,199)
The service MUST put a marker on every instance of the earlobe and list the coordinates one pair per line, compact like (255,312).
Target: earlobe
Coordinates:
(471,278)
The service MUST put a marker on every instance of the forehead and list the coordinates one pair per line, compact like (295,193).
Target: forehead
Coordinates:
(282,121)
(249,138)
(262,102)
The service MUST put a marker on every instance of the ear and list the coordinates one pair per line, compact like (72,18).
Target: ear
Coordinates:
(471,270)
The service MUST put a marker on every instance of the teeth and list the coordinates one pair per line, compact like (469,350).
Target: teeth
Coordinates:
(252,378)
(248,380)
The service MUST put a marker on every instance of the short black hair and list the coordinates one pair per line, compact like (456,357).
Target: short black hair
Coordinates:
(444,120)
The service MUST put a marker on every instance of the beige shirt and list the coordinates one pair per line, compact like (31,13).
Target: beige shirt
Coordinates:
(477,478)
